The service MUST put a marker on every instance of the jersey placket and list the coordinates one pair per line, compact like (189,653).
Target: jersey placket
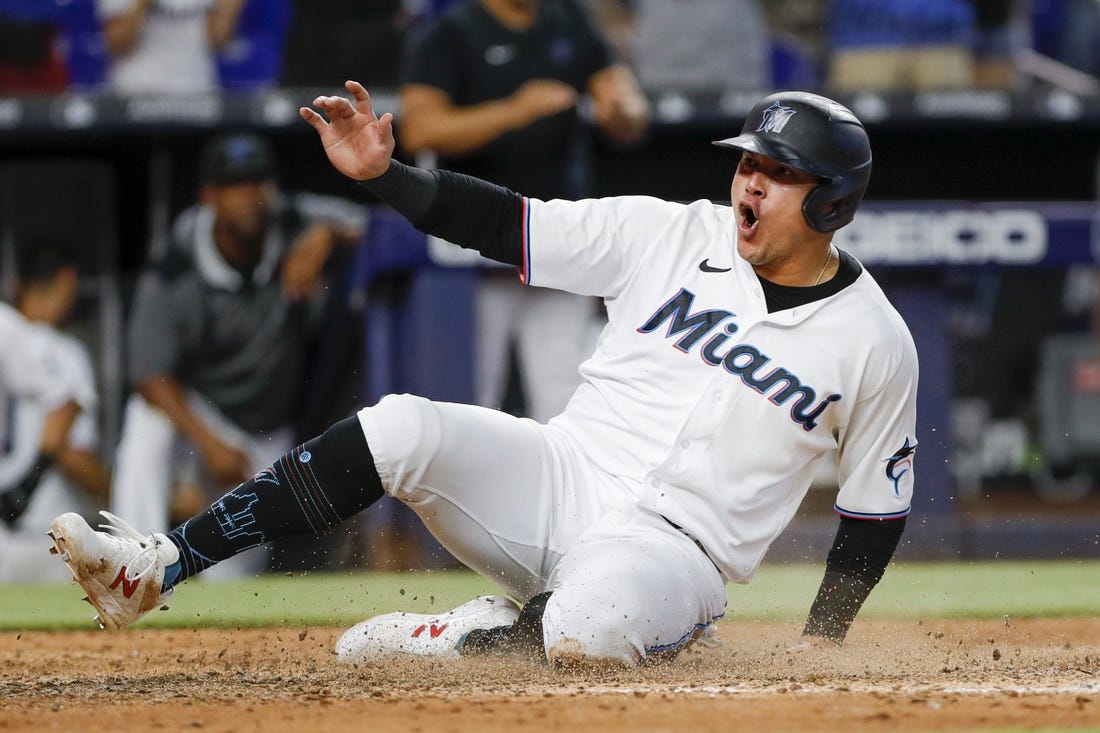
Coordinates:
(720,395)
(695,436)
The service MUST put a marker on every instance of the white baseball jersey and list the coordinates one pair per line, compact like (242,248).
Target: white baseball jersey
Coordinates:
(31,366)
(21,422)
(720,409)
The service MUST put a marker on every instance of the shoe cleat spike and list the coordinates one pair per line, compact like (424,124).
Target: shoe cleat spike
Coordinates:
(49,533)
(53,550)
(94,559)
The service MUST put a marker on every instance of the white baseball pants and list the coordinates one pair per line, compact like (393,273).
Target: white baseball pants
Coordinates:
(520,503)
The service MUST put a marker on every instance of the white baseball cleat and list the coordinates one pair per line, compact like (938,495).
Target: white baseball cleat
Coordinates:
(426,635)
(122,572)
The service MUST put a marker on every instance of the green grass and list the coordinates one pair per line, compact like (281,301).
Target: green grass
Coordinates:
(779,592)
(937,590)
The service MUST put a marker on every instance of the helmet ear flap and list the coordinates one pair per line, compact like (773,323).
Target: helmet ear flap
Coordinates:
(832,204)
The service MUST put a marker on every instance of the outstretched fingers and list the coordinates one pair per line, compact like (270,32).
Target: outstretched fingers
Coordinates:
(316,121)
(358,143)
(361,97)
(330,106)
(335,107)
(385,125)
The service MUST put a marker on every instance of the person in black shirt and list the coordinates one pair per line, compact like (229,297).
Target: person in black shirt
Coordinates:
(219,330)
(495,89)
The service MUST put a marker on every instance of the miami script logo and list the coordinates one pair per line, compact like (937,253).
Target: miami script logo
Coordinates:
(711,331)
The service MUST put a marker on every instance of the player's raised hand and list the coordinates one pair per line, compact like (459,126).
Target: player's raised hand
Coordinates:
(358,143)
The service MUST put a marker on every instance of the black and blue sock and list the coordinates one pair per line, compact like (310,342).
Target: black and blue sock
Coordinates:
(311,489)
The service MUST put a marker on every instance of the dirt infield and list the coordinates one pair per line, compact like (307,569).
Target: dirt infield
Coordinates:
(896,676)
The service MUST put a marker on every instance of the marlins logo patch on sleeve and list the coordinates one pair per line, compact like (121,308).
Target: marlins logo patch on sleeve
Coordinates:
(900,463)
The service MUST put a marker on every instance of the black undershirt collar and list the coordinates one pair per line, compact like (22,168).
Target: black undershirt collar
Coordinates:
(783,297)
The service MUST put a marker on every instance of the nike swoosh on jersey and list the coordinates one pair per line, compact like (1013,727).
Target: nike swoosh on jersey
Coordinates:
(705,266)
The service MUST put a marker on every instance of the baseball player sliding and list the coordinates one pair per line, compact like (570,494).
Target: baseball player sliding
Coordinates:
(741,347)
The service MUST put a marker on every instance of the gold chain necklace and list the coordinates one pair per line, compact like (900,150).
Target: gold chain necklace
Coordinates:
(828,259)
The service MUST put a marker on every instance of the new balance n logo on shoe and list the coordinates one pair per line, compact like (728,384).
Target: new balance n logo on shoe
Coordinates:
(433,630)
(101,562)
(128,586)
(429,635)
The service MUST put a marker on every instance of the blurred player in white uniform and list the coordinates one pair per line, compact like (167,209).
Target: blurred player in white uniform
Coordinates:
(48,433)
(741,348)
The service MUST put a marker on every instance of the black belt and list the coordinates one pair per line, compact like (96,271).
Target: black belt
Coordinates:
(698,544)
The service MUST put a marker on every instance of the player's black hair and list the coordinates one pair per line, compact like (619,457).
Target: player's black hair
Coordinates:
(42,257)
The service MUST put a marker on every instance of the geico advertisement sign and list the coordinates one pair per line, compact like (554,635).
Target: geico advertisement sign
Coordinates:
(1000,236)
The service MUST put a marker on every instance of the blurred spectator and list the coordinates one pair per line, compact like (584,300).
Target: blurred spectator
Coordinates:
(902,45)
(617,21)
(492,88)
(48,432)
(798,24)
(701,45)
(334,40)
(1077,41)
(434,7)
(1065,37)
(166,46)
(84,46)
(219,330)
(689,45)
(1001,29)
(253,56)
(30,55)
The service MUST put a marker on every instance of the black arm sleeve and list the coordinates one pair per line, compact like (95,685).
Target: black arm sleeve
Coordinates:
(859,556)
(467,211)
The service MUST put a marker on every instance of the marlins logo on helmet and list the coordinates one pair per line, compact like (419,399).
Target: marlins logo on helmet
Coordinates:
(776,118)
(818,136)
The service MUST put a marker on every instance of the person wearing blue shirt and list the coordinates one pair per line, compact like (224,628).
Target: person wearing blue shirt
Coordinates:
(904,45)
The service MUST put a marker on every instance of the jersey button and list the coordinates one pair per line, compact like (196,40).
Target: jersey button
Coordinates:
(685,444)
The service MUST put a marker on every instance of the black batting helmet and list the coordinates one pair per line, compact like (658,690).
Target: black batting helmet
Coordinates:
(816,135)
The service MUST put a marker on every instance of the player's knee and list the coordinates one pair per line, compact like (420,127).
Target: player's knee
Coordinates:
(403,434)
(584,635)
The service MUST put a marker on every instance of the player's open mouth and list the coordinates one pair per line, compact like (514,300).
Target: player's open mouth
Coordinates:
(748,220)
